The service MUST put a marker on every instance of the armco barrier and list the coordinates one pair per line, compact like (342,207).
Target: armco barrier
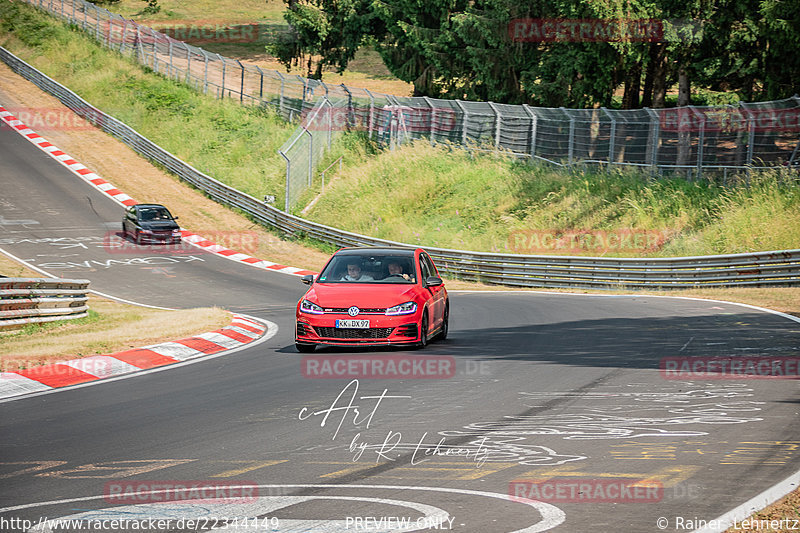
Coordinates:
(33,300)
(749,269)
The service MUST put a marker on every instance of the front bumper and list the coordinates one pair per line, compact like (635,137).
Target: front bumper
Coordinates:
(383,331)
(159,238)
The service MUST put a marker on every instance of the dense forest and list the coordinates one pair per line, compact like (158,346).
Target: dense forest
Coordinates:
(573,53)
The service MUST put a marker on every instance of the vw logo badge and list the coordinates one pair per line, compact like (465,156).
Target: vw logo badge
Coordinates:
(353,311)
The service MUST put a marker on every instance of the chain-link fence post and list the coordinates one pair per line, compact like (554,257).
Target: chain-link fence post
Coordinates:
(497,125)
(288,178)
(571,139)
(138,49)
(532,145)
(432,118)
(169,67)
(655,138)
(280,99)
(222,86)
(205,72)
(241,85)
(330,118)
(751,139)
(304,81)
(188,76)
(701,140)
(124,36)
(310,154)
(371,113)
(463,122)
(350,109)
(612,137)
(260,84)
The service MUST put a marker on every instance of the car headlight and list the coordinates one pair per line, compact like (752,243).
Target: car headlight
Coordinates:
(176,232)
(146,231)
(402,309)
(310,307)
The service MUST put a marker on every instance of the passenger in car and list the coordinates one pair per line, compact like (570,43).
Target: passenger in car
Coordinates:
(354,273)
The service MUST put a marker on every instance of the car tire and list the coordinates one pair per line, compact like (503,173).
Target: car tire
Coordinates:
(304,348)
(445,323)
(137,237)
(423,330)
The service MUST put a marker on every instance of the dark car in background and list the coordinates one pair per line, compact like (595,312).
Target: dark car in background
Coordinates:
(150,223)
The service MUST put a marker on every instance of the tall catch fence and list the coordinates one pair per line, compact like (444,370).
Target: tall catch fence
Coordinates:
(691,141)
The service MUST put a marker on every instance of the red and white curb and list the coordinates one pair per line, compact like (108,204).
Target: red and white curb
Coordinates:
(118,196)
(209,246)
(240,332)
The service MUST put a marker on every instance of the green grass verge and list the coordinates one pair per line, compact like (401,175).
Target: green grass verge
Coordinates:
(437,197)
(416,194)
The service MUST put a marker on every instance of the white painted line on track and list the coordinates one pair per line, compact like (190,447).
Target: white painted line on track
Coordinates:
(551,516)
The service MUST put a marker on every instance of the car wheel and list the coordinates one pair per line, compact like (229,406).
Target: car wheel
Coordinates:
(423,330)
(137,237)
(124,231)
(304,348)
(445,322)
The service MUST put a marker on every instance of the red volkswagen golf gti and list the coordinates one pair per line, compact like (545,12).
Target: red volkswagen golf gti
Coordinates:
(373,296)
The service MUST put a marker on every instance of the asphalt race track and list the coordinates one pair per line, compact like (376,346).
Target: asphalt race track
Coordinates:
(557,389)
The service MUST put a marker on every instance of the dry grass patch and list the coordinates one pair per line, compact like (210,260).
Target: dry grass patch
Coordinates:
(11,269)
(779,517)
(111,327)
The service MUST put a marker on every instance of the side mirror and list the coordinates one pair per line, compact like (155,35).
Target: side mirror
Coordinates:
(308,279)
(175,218)
(434,281)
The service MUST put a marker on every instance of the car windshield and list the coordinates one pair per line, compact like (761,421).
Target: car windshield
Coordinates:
(154,213)
(369,268)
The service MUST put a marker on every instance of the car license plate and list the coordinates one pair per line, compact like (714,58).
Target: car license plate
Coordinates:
(352,324)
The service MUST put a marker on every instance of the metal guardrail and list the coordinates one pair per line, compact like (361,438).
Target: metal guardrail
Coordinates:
(749,269)
(34,301)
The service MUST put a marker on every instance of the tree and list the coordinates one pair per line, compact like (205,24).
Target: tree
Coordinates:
(325,32)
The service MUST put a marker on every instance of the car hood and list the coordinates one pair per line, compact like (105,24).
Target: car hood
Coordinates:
(160,226)
(366,295)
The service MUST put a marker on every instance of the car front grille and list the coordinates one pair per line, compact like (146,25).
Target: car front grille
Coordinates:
(361,311)
(301,328)
(342,333)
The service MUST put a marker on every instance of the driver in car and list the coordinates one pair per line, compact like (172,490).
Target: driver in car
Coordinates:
(354,273)
(396,269)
